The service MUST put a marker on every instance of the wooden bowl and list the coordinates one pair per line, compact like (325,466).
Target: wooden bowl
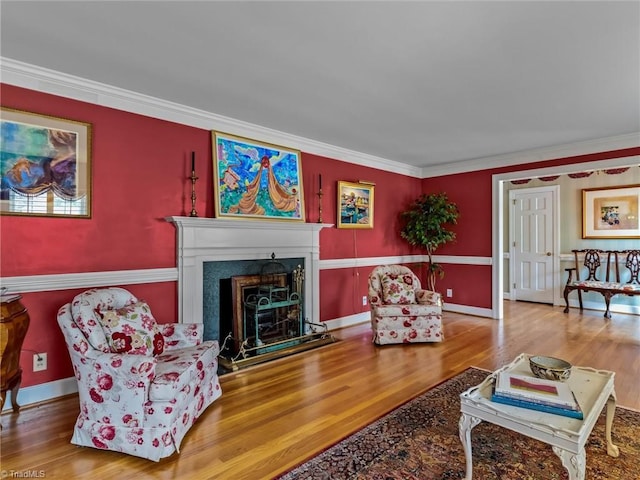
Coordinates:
(550,368)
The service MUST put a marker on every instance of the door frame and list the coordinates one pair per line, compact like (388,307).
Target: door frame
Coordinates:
(555,222)
(498,216)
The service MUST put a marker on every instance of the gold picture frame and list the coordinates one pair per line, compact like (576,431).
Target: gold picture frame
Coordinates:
(256,180)
(611,212)
(45,165)
(355,205)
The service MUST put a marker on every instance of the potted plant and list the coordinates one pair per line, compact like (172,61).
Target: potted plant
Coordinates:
(426,225)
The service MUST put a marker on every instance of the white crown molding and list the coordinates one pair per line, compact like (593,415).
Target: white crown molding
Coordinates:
(41,79)
(619,142)
(14,72)
(617,162)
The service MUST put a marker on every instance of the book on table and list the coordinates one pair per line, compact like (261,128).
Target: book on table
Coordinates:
(536,394)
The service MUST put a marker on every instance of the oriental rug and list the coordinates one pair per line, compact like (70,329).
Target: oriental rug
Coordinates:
(419,441)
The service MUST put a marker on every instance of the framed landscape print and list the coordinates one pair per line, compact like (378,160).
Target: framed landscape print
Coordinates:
(355,205)
(611,212)
(255,180)
(45,165)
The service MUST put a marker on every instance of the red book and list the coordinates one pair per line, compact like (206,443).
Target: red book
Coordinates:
(519,383)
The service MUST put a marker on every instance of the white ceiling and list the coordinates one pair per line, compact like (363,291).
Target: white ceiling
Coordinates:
(421,83)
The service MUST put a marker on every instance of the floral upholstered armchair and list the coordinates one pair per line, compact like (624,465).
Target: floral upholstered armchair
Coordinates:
(401,311)
(141,385)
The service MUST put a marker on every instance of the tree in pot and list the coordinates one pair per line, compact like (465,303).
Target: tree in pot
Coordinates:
(425,226)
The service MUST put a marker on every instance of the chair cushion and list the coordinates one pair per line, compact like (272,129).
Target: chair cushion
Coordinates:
(398,289)
(607,285)
(179,368)
(132,329)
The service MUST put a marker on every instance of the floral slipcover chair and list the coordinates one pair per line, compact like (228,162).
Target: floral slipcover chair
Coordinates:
(141,385)
(401,311)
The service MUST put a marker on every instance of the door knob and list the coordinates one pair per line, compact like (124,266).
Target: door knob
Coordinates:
(548,254)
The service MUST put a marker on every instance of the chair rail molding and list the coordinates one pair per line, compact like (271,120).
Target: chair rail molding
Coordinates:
(68,281)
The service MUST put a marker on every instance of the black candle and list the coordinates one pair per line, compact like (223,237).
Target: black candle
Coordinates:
(193,161)
(320,180)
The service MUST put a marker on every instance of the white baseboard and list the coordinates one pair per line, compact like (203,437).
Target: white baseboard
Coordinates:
(600,306)
(348,321)
(43,392)
(475,311)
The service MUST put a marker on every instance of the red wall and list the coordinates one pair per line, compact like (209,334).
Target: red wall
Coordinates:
(139,171)
(472,192)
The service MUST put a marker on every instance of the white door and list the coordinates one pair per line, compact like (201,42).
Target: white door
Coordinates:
(533,237)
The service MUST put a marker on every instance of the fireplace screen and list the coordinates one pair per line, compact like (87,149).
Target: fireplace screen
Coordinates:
(268,312)
(268,316)
(273,314)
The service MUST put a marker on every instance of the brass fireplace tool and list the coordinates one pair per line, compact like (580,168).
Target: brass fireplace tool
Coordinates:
(193,185)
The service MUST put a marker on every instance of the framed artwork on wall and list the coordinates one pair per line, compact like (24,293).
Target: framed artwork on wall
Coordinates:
(611,212)
(256,180)
(355,205)
(45,165)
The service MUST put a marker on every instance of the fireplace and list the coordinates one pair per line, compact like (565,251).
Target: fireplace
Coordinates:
(206,247)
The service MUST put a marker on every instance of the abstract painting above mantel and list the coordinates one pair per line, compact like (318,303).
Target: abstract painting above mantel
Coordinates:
(45,165)
(256,180)
(611,212)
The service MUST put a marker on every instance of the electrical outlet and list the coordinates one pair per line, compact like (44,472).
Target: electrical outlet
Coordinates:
(39,362)
(449,292)
(364,300)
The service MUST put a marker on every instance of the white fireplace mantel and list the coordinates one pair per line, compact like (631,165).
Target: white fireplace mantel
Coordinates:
(201,240)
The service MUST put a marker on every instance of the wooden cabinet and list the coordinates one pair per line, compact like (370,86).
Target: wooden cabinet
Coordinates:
(14,323)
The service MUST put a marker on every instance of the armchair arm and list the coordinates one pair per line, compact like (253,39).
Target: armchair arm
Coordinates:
(128,368)
(427,297)
(374,299)
(570,272)
(181,335)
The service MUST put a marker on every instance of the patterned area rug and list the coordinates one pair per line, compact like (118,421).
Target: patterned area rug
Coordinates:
(419,441)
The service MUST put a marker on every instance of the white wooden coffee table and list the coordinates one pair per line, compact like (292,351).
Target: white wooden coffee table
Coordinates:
(567,436)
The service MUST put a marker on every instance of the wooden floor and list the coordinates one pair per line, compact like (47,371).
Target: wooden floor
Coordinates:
(273,416)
